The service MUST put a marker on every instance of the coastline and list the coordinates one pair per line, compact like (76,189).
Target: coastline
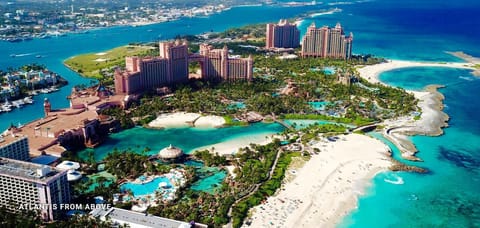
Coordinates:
(432,118)
(330,181)
(231,146)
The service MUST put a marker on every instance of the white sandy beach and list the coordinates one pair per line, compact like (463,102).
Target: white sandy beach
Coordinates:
(231,146)
(210,121)
(171,120)
(327,186)
(185,119)
(372,72)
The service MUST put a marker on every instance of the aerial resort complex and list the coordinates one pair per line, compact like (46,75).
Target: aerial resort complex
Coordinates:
(282,122)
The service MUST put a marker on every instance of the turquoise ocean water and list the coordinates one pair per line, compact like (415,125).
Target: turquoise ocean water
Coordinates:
(414,30)
(188,139)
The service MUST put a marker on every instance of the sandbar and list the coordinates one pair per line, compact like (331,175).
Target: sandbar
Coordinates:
(186,119)
(210,121)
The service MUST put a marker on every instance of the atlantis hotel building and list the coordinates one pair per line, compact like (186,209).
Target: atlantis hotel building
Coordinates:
(282,35)
(326,42)
(171,67)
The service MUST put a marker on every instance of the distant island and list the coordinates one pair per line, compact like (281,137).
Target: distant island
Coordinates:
(20,24)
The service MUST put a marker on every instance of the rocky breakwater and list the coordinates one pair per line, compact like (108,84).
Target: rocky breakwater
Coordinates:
(430,122)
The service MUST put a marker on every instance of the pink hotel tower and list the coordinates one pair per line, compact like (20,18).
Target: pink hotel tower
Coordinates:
(171,67)
(282,35)
(327,42)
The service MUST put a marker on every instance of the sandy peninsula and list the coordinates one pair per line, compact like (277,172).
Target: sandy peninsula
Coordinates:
(326,188)
(432,118)
(185,119)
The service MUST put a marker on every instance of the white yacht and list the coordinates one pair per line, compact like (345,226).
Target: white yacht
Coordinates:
(28,100)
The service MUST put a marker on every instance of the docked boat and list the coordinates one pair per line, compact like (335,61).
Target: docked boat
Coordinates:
(44,91)
(28,100)
(17,104)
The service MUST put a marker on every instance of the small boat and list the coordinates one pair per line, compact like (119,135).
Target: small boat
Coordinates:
(17,104)
(14,40)
(38,56)
(44,91)
(28,100)
(13,55)
(7,107)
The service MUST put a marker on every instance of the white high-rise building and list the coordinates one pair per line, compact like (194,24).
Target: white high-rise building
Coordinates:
(30,186)
(14,147)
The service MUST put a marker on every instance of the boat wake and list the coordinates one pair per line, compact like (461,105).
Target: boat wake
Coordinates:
(397,180)
(336,10)
(466,78)
(21,55)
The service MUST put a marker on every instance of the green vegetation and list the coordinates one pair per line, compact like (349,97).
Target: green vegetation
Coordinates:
(245,32)
(250,186)
(125,164)
(96,65)
(210,159)
(280,88)
(358,121)
(22,218)
(124,118)
(229,121)
(312,131)
(266,189)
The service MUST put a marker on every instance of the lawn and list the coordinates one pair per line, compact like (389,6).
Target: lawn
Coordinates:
(90,65)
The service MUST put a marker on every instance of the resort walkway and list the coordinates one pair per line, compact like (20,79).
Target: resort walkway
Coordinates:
(281,122)
(255,189)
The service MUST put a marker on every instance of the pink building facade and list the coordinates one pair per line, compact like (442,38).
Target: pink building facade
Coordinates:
(149,73)
(326,42)
(171,67)
(217,65)
(282,35)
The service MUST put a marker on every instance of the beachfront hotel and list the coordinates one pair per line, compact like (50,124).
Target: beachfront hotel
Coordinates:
(282,35)
(140,220)
(171,67)
(14,147)
(25,185)
(326,42)
(151,72)
(217,65)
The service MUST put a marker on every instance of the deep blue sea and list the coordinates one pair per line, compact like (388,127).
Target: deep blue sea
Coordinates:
(412,30)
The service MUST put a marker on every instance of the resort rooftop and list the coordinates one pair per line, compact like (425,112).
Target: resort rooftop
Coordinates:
(27,171)
(42,132)
(6,139)
(137,219)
